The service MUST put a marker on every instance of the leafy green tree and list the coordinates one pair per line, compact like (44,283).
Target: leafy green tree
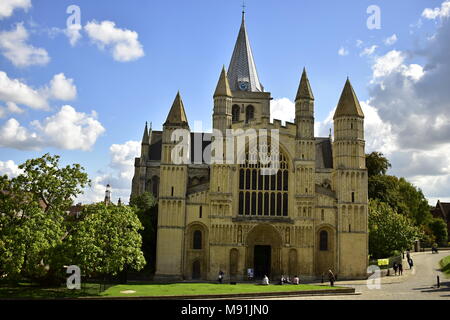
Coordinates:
(32,216)
(389,231)
(377,164)
(147,211)
(107,240)
(439,229)
(402,196)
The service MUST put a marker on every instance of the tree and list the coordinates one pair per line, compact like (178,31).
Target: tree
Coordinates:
(389,231)
(107,240)
(402,196)
(147,212)
(32,216)
(377,164)
(439,229)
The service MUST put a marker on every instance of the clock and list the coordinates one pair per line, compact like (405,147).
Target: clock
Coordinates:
(244,85)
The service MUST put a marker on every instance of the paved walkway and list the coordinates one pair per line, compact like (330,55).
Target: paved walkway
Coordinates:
(416,284)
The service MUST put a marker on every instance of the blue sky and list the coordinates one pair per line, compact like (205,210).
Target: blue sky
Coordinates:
(184,45)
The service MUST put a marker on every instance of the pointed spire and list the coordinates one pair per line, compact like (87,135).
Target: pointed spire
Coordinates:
(145,137)
(242,70)
(223,86)
(304,89)
(177,114)
(348,103)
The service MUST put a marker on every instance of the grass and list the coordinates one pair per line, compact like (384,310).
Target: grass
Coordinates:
(25,290)
(445,265)
(183,289)
(32,291)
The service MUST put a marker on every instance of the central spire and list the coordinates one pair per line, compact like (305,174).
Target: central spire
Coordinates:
(242,73)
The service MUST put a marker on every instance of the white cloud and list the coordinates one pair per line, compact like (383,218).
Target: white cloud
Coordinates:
(67,129)
(14,46)
(343,51)
(10,169)
(368,51)
(13,135)
(62,88)
(119,176)
(388,63)
(282,109)
(71,130)
(15,92)
(11,107)
(73,33)
(442,12)
(8,6)
(359,43)
(123,43)
(391,40)
(412,102)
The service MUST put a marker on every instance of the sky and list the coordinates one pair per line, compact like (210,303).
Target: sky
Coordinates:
(80,78)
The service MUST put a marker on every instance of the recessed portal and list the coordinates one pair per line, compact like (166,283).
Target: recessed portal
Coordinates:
(262,261)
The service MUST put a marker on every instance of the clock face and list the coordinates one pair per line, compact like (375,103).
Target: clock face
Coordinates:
(244,85)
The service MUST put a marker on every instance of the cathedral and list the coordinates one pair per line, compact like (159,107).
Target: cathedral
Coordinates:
(308,218)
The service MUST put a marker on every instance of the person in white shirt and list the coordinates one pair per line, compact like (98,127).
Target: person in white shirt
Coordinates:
(265,281)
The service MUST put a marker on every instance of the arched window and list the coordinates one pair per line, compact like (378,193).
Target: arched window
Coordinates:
(263,195)
(197,243)
(235,113)
(249,113)
(323,240)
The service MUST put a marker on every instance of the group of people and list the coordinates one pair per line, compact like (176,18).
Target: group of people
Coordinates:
(398,267)
(283,280)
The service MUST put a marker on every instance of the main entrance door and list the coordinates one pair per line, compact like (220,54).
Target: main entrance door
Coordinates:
(262,260)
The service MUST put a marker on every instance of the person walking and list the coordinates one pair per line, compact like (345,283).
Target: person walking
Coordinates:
(411,263)
(331,277)
(221,275)
(265,281)
(400,269)
(395,267)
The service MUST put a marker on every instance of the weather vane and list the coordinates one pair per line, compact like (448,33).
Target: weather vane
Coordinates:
(243,6)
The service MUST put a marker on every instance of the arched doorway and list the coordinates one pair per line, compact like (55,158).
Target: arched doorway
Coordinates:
(264,251)
(325,250)
(196,270)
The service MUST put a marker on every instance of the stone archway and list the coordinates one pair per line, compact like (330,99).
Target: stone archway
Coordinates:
(264,249)
(325,250)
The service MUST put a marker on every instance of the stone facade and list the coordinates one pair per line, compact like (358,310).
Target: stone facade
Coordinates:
(310,217)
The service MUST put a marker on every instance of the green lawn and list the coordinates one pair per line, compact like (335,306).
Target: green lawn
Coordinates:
(445,265)
(32,291)
(182,289)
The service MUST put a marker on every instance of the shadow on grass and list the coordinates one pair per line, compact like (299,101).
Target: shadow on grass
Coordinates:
(34,291)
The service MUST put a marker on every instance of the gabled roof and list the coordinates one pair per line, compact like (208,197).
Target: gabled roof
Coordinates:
(242,65)
(304,89)
(177,114)
(444,208)
(348,103)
